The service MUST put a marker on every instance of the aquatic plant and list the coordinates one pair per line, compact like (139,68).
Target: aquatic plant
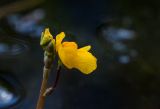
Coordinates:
(68,54)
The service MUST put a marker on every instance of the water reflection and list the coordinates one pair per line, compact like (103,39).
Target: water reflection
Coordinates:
(10,91)
(11,46)
(6,97)
(28,24)
(119,35)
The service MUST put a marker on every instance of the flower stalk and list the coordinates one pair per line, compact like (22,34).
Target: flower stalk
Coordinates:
(51,89)
(48,60)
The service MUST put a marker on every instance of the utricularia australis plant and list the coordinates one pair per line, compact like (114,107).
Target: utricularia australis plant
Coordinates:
(69,55)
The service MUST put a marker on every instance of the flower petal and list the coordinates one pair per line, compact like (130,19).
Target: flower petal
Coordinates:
(70,44)
(85,62)
(67,54)
(86,48)
(80,59)
(59,39)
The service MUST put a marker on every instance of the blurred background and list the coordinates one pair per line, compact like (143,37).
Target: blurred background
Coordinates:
(125,38)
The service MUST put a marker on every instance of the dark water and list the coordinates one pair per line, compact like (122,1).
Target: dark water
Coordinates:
(125,37)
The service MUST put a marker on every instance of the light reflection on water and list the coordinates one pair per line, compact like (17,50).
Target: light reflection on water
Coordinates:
(28,24)
(11,92)
(12,46)
(118,34)
(119,38)
(6,97)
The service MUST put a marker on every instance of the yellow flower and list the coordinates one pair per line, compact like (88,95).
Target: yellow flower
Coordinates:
(72,57)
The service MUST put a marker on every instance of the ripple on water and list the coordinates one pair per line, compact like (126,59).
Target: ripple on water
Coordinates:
(10,47)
